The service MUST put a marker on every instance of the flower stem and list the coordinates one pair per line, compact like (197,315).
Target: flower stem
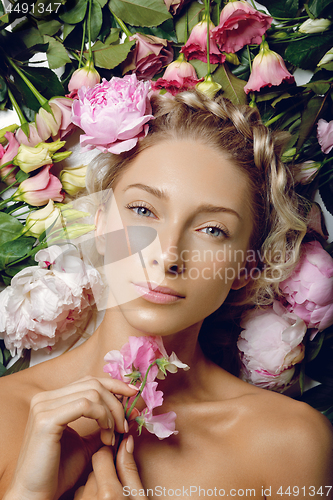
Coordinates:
(42,101)
(122,25)
(23,121)
(91,60)
(82,44)
(186,27)
(140,390)
(207,5)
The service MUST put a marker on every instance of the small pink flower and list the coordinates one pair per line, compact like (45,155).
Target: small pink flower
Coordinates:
(309,290)
(65,106)
(240,25)
(196,45)
(325,135)
(113,114)
(83,77)
(179,76)
(306,172)
(150,56)
(40,188)
(271,344)
(57,125)
(34,138)
(151,396)
(10,151)
(162,425)
(268,69)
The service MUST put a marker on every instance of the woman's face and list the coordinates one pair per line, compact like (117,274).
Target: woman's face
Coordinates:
(197,204)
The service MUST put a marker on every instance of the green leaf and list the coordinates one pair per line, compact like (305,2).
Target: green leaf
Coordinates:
(109,56)
(113,37)
(3,15)
(9,128)
(74,11)
(21,176)
(201,67)
(313,347)
(317,6)
(287,8)
(48,27)
(21,364)
(96,19)
(306,53)
(309,118)
(193,18)
(140,12)
(10,228)
(14,250)
(102,2)
(56,53)
(68,28)
(3,89)
(45,80)
(233,87)
(320,88)
(12,270)
(165,30)
(319,397)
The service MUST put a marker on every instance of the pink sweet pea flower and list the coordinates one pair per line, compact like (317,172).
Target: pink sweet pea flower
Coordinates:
(268,69)
(196,45)
(271,344)
(151,396)
(40,188)
(162,425)
(240,25)
(34,138)
(113,114)
(325,135)
(179,76)
(150,56)
(309,290)
(83,77)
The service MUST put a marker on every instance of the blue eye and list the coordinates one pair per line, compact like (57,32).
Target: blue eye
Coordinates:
(142,211)
(214,231)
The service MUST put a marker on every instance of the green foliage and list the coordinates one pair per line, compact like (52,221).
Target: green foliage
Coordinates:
(285,9)
(307,51)
(110,56)
(233,87)
(140,12)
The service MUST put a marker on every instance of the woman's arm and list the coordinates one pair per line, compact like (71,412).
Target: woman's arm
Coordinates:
(53,456)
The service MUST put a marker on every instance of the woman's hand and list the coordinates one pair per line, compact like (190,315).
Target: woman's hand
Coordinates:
(53,456)
(104,482)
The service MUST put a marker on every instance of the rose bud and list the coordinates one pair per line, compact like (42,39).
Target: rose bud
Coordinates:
(325,135)
(179,76)
(37,222)
(208,87)
(73,180)
(34,138)
(39,189)
(315,26)
(196,45)
(83,77)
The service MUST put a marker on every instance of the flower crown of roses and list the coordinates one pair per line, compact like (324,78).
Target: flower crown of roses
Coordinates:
(113,114)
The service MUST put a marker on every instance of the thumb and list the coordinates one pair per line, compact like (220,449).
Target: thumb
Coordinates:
(126,468)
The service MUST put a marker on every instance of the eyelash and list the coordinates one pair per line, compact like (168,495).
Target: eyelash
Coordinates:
(223,231)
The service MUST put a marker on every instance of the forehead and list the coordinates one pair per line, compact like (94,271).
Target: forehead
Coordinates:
(192,170)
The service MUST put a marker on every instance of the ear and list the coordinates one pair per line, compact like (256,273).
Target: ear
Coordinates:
(100,230)
(244,276)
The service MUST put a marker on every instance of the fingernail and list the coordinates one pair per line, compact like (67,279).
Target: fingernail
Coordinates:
(126,425)
(110,423)
(133,387)
(113,440)
(130,444)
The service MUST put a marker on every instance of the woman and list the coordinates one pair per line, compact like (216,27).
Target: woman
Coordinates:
(209,181)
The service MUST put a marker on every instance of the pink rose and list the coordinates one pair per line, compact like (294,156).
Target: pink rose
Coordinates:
(196,45)
(40,188)
(47,302)
(270,345)
(325,135)
(150,56)
(113,114)
(83,77)
(34,138)
(240,25)
(268,69)
(309,290)
(178,77)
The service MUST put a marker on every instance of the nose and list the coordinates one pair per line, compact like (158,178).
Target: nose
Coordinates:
(170,259)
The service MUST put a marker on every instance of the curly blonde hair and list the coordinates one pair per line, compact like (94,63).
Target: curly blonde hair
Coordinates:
(235,130)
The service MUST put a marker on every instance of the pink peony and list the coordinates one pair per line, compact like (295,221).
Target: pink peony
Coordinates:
(40,188)
(309,290)
(113,114)
(150,56)
(162,425)
(178,77)
(325,135)
(240,25)
(196,45)
(83,77)
(47,302)
(34,138)
(268,69)
(271,344)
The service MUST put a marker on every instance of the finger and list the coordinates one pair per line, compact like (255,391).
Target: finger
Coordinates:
(89,491)
(126,467)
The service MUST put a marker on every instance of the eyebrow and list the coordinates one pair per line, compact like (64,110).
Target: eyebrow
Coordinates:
(160,194)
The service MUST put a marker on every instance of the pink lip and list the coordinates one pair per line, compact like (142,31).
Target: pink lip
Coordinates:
(158,294)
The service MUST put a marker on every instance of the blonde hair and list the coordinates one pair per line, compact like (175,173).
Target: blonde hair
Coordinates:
(278,212)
